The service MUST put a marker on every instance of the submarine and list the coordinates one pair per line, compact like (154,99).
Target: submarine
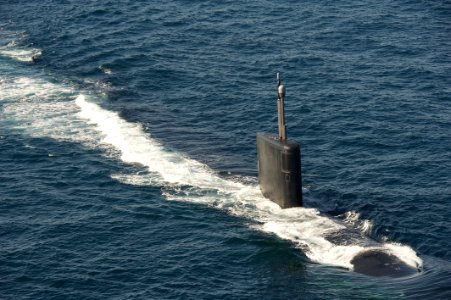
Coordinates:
(280,180)
(279,161)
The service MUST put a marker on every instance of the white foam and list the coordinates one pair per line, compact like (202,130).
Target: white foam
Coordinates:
(105,70)
(136,146)
(366,227)
(406,254)
(40,108)
(353,218)
(20,54)
(11,47)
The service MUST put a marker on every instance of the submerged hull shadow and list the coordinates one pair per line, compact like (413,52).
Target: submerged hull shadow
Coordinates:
(378,263)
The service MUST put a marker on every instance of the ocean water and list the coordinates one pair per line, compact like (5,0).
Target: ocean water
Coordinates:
(128,159)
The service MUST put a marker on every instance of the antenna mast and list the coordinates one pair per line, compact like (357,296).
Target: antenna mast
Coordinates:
(281,110)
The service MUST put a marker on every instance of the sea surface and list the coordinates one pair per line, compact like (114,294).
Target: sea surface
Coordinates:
(128,158)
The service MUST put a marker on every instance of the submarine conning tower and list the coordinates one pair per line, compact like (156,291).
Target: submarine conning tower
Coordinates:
(279,162)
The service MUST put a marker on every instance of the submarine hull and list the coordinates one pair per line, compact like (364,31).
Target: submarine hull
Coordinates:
(378,263)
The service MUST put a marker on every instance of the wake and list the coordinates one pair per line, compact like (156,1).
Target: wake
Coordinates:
(304,227)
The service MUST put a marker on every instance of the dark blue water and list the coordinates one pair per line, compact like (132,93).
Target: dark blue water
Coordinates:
(128,160)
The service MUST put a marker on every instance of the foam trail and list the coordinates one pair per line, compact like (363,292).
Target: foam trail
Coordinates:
(40,108)
(12,50)
(353,218)
(137,147)
(188,180)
